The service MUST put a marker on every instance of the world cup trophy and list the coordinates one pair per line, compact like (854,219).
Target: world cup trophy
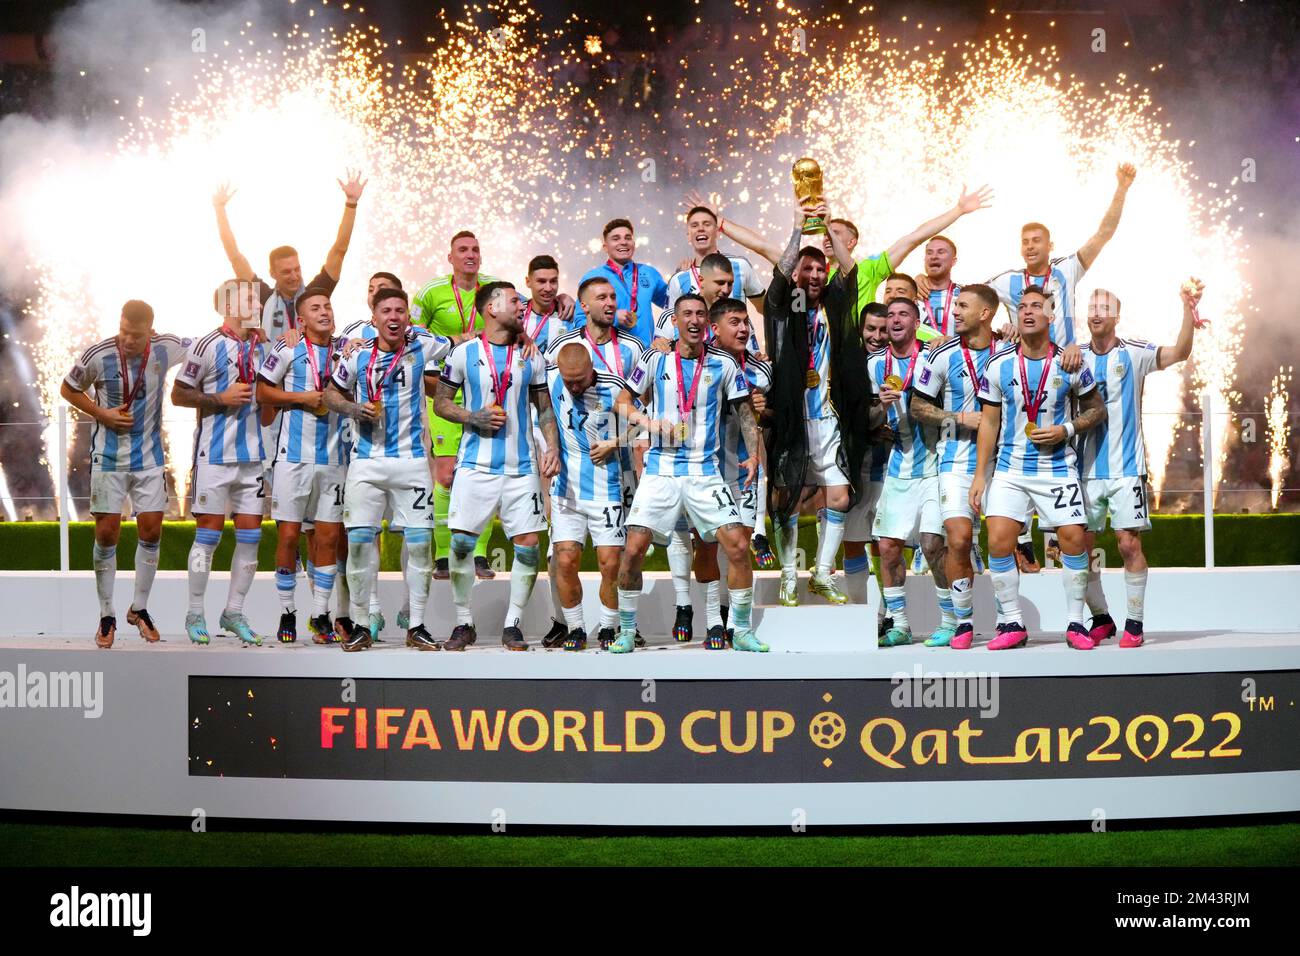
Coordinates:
(808,190)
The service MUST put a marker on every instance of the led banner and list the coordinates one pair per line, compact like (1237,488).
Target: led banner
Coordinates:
(918,726)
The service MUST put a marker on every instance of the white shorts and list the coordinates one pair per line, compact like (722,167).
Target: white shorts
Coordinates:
(908,507)
(573,519)
(375,484)
(1058,499)
(302,492)
(1123,500)
(110,489)
(746,503)
(954,495)
(705,500)
(823,453)
(476,496)
(234,489)
(858,522)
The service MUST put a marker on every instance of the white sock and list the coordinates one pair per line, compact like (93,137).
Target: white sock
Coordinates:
(1096,597)
(857,571)
(742,602)
(627,602)
(285,583)
(460,563)
(760,512)
(608,617)
(362,568)
(896,601)
(523,575)
(1074,579)
(712,603)
(947,615)
(243,566)
(789,546)
(417,548)
(573,619)
(322,589)
(963,600)
(1135,583)
(146,566)
(200,565)
(828,543)
(679,563)
(1006,587)
(341,582)
(105,562)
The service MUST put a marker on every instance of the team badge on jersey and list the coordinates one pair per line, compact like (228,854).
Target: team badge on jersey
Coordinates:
(1120,369)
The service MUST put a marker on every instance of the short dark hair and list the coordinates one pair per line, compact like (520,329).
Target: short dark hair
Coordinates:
(1034,227)
(397,283)
(874,308)
(725,307)
(1037,289)
(542,262)
(588,283)
(704,209)
(984,293)
(903,277)
(812,252)
(911,303)
(693,296)
(387,293)
(616,224)
(280,252)
(846,224)
(716,261)
(951,245)
(137,310)
(486,293)
(309,292)
(463,234)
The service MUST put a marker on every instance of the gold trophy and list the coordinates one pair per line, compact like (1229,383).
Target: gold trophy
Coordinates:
(808,189)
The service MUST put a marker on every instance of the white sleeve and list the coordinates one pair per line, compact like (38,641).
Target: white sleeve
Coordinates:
(436,349)
(277,364)
(750,283)
(453,368)
(1073,269)
(538,376)
(990,388)
(85,373)
(345,373)
(930,380)
(639,380)
(195,366)
(736,385)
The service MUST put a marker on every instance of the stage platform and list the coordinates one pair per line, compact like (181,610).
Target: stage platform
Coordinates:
(827,729)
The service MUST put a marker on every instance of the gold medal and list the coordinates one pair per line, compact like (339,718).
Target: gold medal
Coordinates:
(894,383)
(1030,428)
(813,378)
(681,431)
(320,410)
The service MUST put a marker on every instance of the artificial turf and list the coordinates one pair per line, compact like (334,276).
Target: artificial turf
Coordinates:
(40,844)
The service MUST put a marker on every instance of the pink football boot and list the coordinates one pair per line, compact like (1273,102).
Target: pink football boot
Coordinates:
(1009,636)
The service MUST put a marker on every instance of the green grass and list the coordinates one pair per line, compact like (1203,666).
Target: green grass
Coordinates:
(36,844)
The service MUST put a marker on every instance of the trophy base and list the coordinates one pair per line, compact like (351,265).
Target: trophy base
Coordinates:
(814,226)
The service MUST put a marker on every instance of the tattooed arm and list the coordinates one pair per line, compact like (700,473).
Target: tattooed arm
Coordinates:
(744,409)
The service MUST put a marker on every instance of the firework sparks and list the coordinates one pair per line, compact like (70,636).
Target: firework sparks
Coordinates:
(1279,430)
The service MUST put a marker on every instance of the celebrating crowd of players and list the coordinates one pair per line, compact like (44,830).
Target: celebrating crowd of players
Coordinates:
(644,411)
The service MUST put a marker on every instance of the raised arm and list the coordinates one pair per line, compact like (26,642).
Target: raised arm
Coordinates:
(352,190)
(902,247)
(1168,355)
(751,240)
(238,261)
(1124,177)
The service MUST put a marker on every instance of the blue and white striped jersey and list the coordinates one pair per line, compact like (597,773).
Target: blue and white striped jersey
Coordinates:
(720,382)
(945,374)
(370,374)
(1001,385)
(618,356)
(583,420)
(212,365)
(364,329)
(1062,281)
(540,328)
(759,376)
(469,368)
(100,366)
(913,454)
(817,400)
(937,309)
(1114,449)
(306,438)
(745,282)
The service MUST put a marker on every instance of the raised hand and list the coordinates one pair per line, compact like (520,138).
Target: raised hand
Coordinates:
(693,199)
(968,202)
(1125,173)
(355,185)
(222,195)
(1191,291)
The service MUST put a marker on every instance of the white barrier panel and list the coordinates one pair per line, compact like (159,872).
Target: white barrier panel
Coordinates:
(1178,600)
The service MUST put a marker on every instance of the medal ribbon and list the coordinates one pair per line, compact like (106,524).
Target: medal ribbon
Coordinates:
(911,364)
(970,367)
(377,389)
(618,274)
(245,359)
(942,322)
(618,354)
(317,376)
(129,391)
(460,308)
(541,319)
(1034,405)
(499,382)
(685,400)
